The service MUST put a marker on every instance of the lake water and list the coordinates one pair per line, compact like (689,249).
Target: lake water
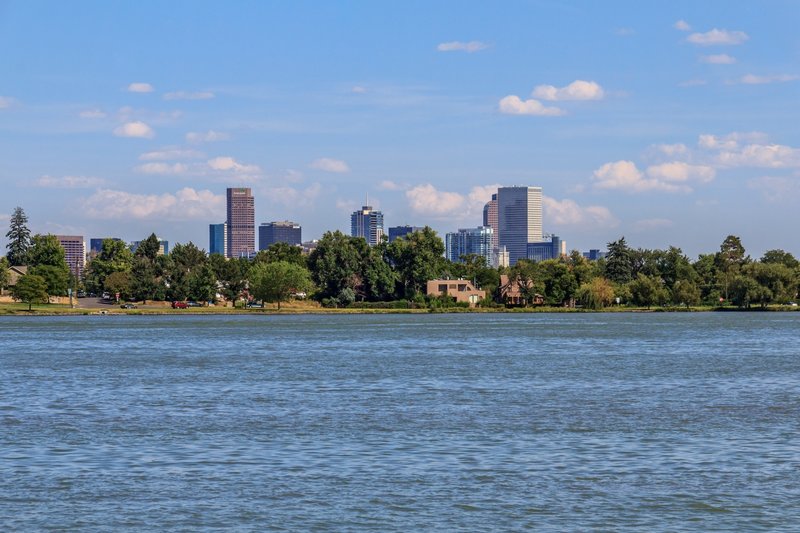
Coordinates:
(401,423)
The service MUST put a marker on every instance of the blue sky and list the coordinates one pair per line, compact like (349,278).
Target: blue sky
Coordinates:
(672,123)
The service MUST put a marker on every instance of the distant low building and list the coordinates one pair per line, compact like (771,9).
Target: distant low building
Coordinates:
(163,247)
(395,232)
(284,231)
(542,251)
(594,254)
(511,292)
(14,273)
(460,289)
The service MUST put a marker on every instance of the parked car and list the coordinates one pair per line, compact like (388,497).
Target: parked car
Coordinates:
(129,306)
(81,294)
(257,305)
(194,304)
(180,305)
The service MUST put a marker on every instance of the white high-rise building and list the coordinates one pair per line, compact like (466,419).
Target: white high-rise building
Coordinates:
(519,220)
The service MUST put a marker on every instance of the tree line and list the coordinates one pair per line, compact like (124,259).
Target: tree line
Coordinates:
(344,271)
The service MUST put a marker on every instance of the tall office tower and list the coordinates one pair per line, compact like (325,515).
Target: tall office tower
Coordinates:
(96,245)
(218,239)
(368,224)
(490,218)
(241,222)
(519,220)
(467,241)
(395,232)
(74,252)
(285,231)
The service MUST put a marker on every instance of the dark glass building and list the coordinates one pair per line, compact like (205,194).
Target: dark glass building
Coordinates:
(271,232)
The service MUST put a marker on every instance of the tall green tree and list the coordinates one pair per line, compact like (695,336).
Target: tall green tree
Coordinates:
(5,274)
(148,248)
(780,257)
(596,293)
(559,282)
(618,267)
(417,258)
(114,256)
(729,261)
(202,284)
(180,266)
(231,274)
(47,259)
(277,281)
(685,292)
(30,289)
(335,264)
(119,283)
(56,278)
(281,251)
(19,238)
(647,291)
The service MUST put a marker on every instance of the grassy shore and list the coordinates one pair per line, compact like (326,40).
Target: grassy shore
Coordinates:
(20,309)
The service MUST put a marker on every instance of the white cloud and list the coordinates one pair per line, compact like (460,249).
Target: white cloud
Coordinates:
(513,105)
(752,79)
(170,153)
(672,150)
(577,90)
(327,164)
(229,163)
(624,175)
(567,212)
(185,204)
(292,197)
(682,25)
(777,189)
(196,137)
(162,168)
(426,200)
(718,59)
(460,46)
(760,155)
(358,89)
(183,95)
(678,171)
(135,129)
(648,224)
(717,37)
(93,113)
(6,102)
(730,141)
(389,185)
(69,182)
(140,87)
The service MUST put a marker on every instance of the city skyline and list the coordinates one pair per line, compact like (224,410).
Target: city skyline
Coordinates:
(668,124)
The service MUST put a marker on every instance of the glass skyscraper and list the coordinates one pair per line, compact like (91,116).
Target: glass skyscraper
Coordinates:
(469,241)
(368,224)
(218,239)
(519,220)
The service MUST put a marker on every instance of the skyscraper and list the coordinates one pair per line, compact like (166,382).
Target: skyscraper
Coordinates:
(395,232)
(241,222)
(519,220)
(368,224)
(470,241)
(272,232)
(74,252)
(490,218)
(218,239)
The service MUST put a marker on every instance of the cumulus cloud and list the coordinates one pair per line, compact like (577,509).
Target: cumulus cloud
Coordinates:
(6,102)
(776,189)
(140,87)
(717,37)
(624,176)
(513,105)
(185,204)
(162,168)
(197,137)
(682,25)
(567,212)
(69,182)
(230,164)
(93,113)
(678,171)
(460,46)
(358,89)
(577,90)
(327,164)
(718,59)
(294,197)
(752,79)
(135,129)
(760,155)
(427,200)
(389,185)
(170,153)
(184,95)
(671,150)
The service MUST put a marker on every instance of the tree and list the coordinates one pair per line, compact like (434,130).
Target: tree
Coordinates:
(618,262)
(56,278)
(231,275)
(647,291)
(119,283)
(729,260)
(114,256)
(180,267)
(597,293)
(685,292)
(780,257)
(278,281)
(202,284)
(30,289)
(335,264)
(559,282)
(5,275)
(281,251)
(19,237)
(417,258)
(148,248)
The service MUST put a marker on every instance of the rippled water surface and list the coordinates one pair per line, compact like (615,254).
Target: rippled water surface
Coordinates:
(401,423)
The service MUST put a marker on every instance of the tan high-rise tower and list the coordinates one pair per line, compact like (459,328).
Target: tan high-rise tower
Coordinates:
(241,222)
